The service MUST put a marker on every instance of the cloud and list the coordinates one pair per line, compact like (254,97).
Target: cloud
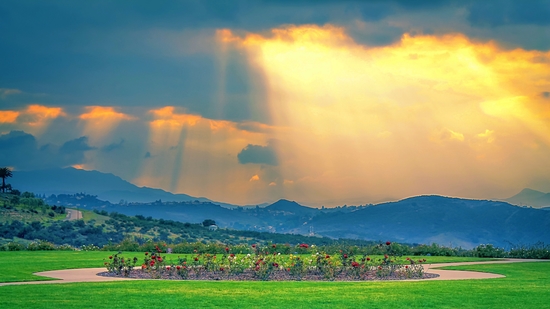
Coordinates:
(104,113)
(488,135)
(8,116)
(113,146)
(509,12)
(22,151)
(258,154)
(4,92)
(254,178)
(272,184)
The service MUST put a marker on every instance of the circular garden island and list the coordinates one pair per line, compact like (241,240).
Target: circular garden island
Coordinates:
(266,264)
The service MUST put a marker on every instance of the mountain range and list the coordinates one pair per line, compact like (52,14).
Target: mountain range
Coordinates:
(105,186)
(421,219)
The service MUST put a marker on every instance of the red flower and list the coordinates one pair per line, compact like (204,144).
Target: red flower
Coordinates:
(406,266)
(288,269)
(368,258)
(110,257)
(178,267)
(159,259)
(354,264)
(232,255)
(345,256)
(275,265)
(327,256)
(146,253)
(167,267)
(388,243)
(257,268)
(226,249)
(253,246)
(196,259)
(408,259)
(143,266)
(221,268)
(273,246)
(152,263)
(379,267)
(153,257)
(385,256)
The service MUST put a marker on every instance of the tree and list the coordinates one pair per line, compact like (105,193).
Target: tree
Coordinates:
(5,172)
(208,222)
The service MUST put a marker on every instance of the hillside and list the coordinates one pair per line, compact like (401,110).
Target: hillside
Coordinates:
(28,219)
(422,219)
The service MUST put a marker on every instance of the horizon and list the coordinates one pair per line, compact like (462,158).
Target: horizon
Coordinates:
(267,203)
(329,103)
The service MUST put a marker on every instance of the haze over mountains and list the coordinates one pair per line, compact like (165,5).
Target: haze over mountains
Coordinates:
(421,219)
(530,197)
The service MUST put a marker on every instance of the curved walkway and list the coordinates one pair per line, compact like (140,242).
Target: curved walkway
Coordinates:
(90,274)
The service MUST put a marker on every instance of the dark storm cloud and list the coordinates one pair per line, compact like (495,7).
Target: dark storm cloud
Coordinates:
(258,154)
(21,150)
(510,12)
(545,94)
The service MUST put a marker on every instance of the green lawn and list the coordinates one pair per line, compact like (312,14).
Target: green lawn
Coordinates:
(527,285)
(20,265)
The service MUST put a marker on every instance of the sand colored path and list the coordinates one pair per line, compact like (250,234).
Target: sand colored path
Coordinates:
(90,274)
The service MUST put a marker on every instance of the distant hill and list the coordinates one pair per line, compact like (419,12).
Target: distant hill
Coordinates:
(443,220)
(530,197)
(291,207)
(106,186)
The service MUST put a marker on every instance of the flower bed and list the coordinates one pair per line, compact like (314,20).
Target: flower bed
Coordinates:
(268,264)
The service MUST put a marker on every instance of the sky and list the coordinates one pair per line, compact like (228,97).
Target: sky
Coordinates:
(322,102)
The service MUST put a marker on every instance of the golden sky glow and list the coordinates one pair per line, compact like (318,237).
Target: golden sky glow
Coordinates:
(99,121)
(8,116)
(429,114)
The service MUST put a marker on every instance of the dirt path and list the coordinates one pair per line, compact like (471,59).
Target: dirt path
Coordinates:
(90,274)
(73,214)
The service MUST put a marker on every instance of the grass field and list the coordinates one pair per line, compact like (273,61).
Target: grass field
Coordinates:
(526,286)
(20,265)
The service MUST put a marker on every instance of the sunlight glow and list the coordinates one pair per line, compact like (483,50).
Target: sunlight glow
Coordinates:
(402,119)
